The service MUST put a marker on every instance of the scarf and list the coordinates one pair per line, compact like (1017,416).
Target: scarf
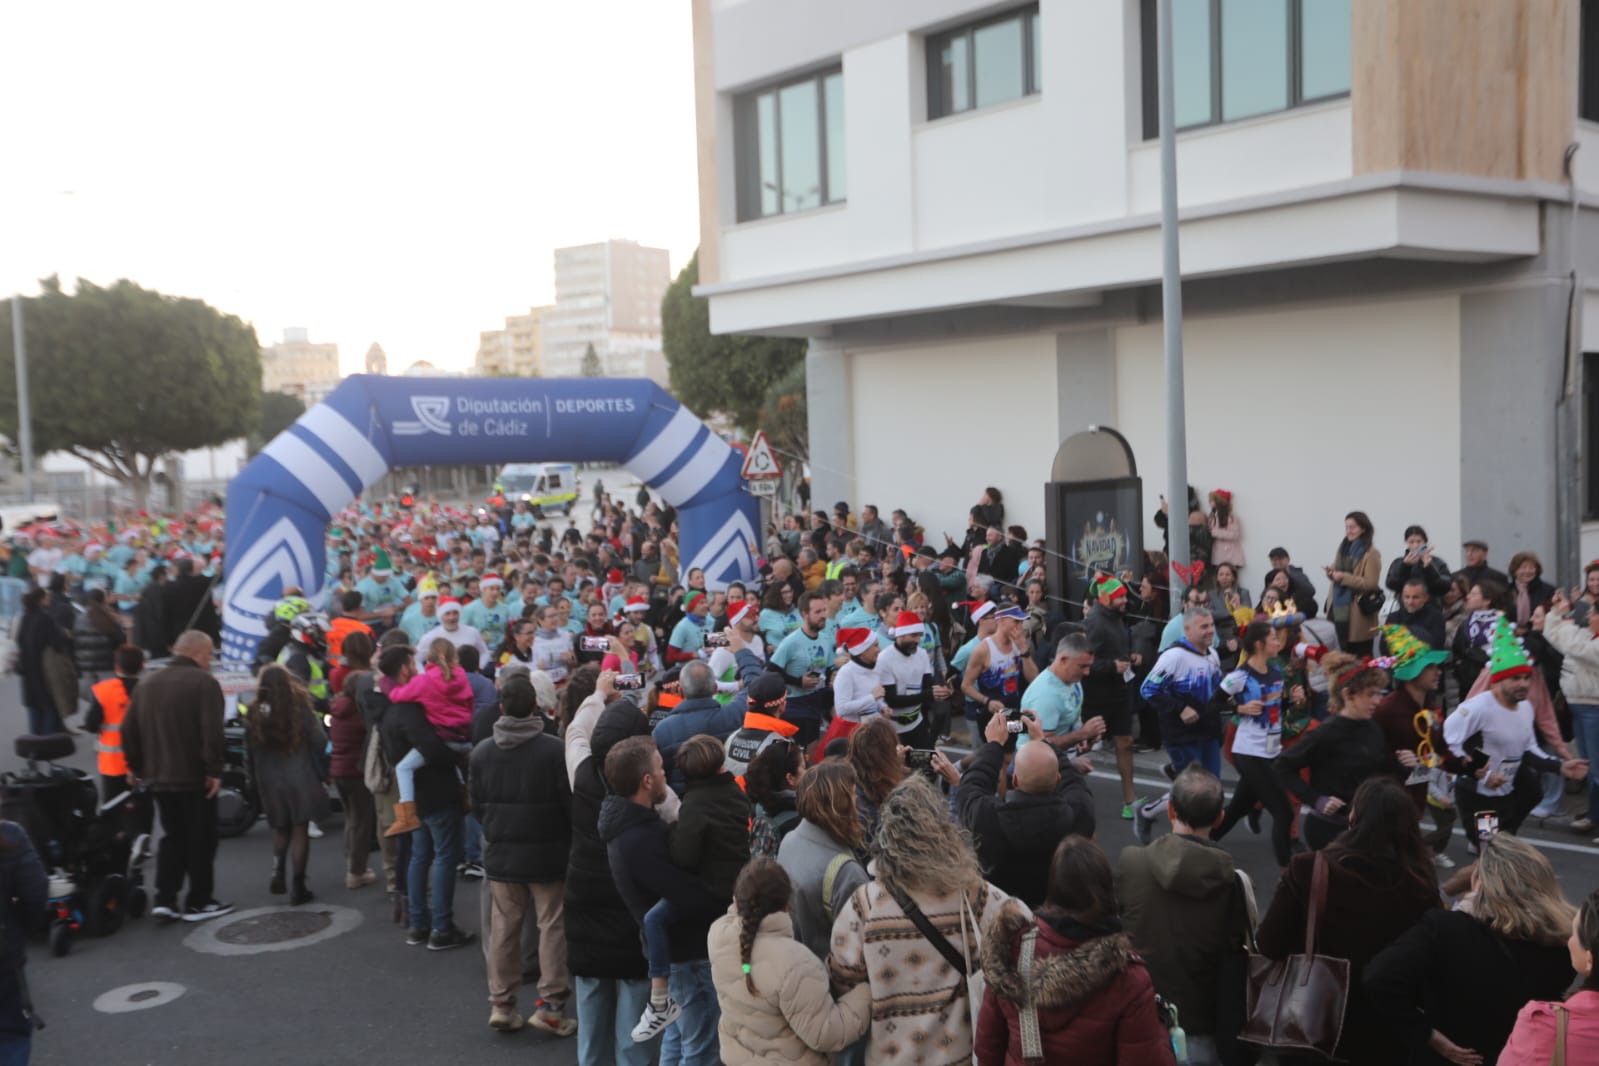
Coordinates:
(1350,552)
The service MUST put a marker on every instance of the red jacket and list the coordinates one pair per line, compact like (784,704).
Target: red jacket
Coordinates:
(347,734)
(1096,1003)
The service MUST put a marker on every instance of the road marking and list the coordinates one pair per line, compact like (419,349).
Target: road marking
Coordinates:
(143,996)
(205,939)
(1580,849)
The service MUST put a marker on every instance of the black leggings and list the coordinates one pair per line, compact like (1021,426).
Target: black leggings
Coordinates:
(1525,793)
(1257,783)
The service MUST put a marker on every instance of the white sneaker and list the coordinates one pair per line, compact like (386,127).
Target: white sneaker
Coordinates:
(654,1022)
(314,831)
(1443,862)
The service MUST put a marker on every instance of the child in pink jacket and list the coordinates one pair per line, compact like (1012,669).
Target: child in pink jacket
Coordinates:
(446,697)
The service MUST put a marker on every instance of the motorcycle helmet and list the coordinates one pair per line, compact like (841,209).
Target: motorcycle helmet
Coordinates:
(311,629)
(290,607)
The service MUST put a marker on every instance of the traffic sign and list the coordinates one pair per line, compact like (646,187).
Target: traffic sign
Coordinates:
(761,462)
(763,487)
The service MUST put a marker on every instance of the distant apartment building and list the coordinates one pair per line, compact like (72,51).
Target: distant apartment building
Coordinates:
(515,351)
(608,295)
(299,367)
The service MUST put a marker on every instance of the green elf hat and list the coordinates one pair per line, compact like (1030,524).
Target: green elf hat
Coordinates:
(1506,658)
(1109,588)
(1411,654)
(381,563)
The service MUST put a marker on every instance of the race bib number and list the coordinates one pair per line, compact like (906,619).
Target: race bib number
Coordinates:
(1421,775)
(1010,685)
(1274,744)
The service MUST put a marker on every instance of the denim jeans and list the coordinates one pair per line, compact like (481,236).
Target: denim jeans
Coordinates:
(607,1010)
(474,840)
(696,1027)
(658,938)
(1585,722)
(436,844)
(1207,755)
(15,1049)
(44,721)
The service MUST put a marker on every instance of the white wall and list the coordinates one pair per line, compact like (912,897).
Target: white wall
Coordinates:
(1000,394)
(1306,415)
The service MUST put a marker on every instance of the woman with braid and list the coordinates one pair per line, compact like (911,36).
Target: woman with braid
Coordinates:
(773,990)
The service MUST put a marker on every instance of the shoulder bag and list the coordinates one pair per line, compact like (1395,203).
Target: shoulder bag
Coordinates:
(1298,1003)
(1564,1016)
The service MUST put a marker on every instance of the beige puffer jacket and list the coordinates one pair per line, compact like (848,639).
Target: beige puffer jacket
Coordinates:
(793,1018)
(1579,670)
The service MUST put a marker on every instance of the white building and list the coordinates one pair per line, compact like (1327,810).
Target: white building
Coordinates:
(957,202)
(607,295)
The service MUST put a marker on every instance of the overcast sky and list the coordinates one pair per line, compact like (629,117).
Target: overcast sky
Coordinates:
(394,172)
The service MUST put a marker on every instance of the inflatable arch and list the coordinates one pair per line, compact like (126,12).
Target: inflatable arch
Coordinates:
(279,506)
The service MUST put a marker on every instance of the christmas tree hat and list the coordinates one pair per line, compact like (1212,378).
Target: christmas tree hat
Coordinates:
(1506,657)
(1411,654)
(381,563)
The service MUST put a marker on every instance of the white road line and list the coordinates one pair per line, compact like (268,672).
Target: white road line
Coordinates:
(1554,845)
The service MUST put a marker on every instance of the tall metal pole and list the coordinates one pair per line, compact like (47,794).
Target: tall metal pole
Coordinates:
(24,415)
(1171,291)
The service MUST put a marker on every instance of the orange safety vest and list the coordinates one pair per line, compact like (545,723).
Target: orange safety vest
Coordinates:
(112,695)
(340,628)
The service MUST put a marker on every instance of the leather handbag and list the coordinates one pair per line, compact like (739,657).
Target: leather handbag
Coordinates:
(1298,1003)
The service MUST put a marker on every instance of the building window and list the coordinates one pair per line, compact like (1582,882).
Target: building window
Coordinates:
(1588,62)
(1590,436)
(790,142)
(983,63)
(1235,59)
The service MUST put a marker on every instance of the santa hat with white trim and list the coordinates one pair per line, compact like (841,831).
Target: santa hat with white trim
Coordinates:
(742,611)
(448,604)
(856,640)
(979,609)
(636,605)
(494,580)
(908,623)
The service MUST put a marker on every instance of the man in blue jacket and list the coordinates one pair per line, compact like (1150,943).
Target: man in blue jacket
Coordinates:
(698,713)
(1185,689)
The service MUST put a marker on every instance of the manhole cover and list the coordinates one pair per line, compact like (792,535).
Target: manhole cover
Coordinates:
(129,998)
(272,929)
(275,928)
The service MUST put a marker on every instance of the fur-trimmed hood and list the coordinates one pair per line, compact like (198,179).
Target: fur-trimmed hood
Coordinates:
(1065,972)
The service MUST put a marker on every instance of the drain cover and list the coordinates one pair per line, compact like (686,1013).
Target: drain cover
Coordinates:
(129,998)
(272,929)
(275,928)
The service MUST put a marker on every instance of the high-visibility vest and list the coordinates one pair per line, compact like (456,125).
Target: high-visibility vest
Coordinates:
(835,568)
(317,683)
(340,628)
(112,696)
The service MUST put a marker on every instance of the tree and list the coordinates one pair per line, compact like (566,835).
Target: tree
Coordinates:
(591,363)
(784,416)
(277,412)
(727,374)
(122,376)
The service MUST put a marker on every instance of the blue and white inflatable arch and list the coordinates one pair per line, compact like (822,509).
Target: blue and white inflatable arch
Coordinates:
(279,506)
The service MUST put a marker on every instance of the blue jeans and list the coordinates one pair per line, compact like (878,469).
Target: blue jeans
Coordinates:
(1585,723)
(658,938)
(607,1010)
(697,1043)
(44,721)
(436,844)
(15,1049)
(1207,755)
(474,839)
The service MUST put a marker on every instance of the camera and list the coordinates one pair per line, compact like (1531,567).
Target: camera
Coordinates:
(628,682)
(716,640)
(1013,721)
(596,643)
(919,758)
(1487,824)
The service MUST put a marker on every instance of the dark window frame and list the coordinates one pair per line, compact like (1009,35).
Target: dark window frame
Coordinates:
(1588,72)
(1032,85)
(747,144)
(1589,436)
(1149,76)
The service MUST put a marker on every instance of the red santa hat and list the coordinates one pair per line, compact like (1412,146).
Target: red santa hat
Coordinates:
(739,613)
(448,604)
(613,576)
(855,640)
(491,579)
(980,609)
(635,604)
(908,623)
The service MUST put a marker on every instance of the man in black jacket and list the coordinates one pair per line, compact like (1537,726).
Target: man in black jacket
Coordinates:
(186,602)
(438,843)
(1418,613)
(1299,589)
(150,616)
(172,740)
(1016,835)
(1105,691)
(521,797)
(637,844)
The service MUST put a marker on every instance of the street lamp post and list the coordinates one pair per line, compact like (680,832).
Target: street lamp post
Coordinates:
(1171,290)
(24,416)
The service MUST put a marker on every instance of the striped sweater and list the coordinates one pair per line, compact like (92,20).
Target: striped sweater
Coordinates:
(914,1019)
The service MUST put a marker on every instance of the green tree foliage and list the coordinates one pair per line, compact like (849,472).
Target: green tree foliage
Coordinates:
(277,412)
(592,367)
(784,417)
(122,376)
(721,374)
